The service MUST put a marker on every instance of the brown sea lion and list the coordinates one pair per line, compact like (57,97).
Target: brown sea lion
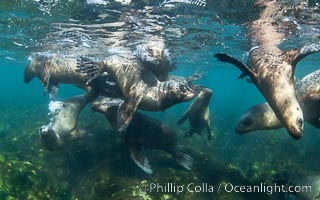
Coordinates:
(156,58)
(53,69)
(139,86)
(262,117)
(198,114)
(142,132)
(272,71)
(62,129)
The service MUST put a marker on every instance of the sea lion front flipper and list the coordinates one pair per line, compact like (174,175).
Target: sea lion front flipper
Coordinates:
(183,118)
(79,133)
(239,64)
(209,132)
(45,80)
(137,154)
(91,69)
(53,89)
(127,109)
(188,134)
(296,55)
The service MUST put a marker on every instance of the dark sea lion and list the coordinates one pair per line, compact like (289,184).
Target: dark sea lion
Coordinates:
(62,129)
(139,86)
(198,114)
(272,71)
(262,117)
(142,132)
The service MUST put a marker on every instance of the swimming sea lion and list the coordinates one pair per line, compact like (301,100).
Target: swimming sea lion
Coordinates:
(156,58)
(142,132)
(53,69)
(272,71)
(262,117)
(62,129)
(139,86)
(198,114)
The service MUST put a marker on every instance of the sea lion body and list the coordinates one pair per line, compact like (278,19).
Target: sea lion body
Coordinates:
(144,131)
(63,127)
(262,117)
(198,114)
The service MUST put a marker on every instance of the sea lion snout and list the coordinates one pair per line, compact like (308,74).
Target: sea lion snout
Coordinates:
(48,138)
(244,125)
(296,131)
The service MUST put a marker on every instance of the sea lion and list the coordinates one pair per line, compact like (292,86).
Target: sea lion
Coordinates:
(156,58)
(142,132)
(62,128)
(272,71)
(198,114)
(53,69)
(262,117)
(139,86)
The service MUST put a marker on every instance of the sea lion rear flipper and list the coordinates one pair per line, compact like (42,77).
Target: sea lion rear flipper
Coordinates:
(138,156)
(184,160)
(246,71)
(296,55)
(183,118)
(209,132)
(91,69)
(127,109)
(79,133)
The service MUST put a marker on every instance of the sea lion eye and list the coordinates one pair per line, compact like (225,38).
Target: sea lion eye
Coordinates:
(299,122)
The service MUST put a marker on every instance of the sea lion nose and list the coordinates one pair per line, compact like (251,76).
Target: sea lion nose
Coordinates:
(300,122)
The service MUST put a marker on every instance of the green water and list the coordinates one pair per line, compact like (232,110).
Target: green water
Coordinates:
(98,166)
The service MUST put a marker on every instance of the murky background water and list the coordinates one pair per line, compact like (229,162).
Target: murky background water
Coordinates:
(98,166)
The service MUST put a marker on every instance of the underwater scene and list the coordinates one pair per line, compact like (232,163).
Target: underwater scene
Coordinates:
(160,99)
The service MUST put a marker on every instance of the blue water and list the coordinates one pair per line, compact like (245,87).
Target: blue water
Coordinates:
(98,166)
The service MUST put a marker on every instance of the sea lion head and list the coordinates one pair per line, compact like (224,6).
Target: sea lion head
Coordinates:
(293,119)
(206,93)
(36,64)
(49,139)
(155,57)
(258,117)
(177,93)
